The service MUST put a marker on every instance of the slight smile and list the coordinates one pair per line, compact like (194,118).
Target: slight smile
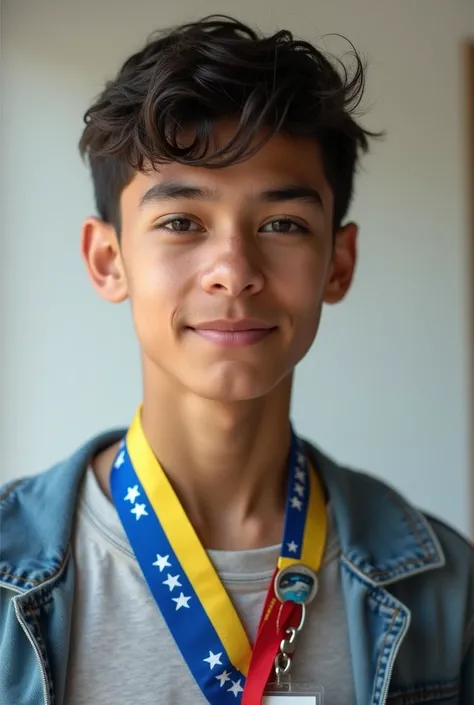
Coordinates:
(233,333)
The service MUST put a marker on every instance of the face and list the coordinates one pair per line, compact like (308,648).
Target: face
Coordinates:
(226,269)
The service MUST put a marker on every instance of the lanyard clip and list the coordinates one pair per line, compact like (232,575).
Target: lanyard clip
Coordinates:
(283,659)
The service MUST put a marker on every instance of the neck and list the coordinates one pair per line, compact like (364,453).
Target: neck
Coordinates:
(226,462)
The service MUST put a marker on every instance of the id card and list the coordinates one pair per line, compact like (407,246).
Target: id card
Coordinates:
(296,694)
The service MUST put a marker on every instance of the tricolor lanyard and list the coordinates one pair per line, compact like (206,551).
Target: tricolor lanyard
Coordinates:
(187,588)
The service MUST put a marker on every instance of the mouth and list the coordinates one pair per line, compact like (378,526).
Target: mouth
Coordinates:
(234,333)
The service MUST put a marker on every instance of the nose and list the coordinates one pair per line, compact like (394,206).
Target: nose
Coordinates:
(234,270)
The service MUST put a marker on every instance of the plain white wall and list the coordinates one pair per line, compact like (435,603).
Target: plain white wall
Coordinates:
(386,386)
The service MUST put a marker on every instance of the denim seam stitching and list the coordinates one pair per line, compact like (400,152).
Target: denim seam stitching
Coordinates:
(379,670)
(19,577)
(44,656)
(36,583)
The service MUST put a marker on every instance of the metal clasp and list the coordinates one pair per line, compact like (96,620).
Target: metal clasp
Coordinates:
(283,659)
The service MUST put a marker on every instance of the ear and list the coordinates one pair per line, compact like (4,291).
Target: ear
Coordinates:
(344,258)
(100,251)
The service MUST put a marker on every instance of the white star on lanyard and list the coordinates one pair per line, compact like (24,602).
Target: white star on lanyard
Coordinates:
(162,562)
(132,494)
(300,475)
(172,582)
(236,688)
(140,511)
(213,660)
(292,547)
(299,489)
(296,503)
(181,601)
(223,678)
(120,460)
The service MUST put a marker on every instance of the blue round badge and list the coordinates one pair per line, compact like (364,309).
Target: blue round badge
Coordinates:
(296,583)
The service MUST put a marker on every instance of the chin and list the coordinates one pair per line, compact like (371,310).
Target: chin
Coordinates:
(233,384)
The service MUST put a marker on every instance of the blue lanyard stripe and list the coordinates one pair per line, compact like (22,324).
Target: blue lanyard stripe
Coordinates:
(184,614)
(297,503)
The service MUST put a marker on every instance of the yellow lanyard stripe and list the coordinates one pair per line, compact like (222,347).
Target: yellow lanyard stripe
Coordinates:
(188,549)
(315,532)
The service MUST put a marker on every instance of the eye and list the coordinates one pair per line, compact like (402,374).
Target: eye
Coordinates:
(284,225)
(178,224)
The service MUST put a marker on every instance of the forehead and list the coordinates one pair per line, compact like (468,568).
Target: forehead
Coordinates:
(282,160)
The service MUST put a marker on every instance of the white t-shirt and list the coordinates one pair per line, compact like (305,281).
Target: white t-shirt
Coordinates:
(121,650)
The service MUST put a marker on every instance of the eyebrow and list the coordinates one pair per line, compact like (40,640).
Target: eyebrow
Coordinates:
(169,190)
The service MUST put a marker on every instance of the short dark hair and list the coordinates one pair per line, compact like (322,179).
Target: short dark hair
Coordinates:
(214,69)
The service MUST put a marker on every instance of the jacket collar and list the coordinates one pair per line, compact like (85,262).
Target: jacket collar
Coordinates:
(381,535)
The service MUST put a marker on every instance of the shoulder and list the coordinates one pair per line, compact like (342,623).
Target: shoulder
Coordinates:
(422,560)
(385,534)
(359,490)
(37,512)
(39,489)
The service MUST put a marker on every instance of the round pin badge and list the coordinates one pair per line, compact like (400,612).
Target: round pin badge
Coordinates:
(296,583)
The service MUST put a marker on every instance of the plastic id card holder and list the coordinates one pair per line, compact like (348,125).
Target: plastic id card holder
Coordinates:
(294,694)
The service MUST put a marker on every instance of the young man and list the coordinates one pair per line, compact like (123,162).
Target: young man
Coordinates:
(207,554)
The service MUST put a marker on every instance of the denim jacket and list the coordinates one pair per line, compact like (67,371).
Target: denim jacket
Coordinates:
(407,580)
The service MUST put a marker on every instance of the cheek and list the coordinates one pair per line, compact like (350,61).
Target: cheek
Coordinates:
(301,282)
(159,273)
(157,288)
(301,286)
